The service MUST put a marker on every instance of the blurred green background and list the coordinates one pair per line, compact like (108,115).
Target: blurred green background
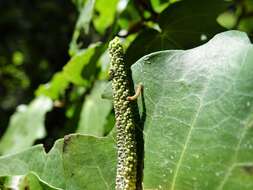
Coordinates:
(34,44)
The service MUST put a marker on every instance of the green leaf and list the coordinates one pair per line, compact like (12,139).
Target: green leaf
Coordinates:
(32,182)
(184,25)
(85,16)
(105,13)
(227,19)
(81,68)
(26,125)
(107,93)
(160,5)
(94,112)
(3,182)
(129,15)
(198,126)
(77,162)
(55,88)
(109,126)
(86,8)
(198,129)
(104,64)
(246,25)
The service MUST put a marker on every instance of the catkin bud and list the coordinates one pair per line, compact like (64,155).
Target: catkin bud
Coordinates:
(126,177)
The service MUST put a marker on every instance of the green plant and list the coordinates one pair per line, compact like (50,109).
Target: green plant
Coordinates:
(190,128)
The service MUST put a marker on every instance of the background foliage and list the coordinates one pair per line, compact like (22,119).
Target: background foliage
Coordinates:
(54,59)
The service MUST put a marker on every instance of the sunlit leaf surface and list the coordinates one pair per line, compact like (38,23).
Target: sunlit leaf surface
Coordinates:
(198,126)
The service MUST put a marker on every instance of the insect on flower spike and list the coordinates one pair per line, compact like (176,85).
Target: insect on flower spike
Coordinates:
(137,93)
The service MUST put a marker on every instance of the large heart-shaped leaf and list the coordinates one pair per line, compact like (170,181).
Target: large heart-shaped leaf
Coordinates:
(198,130)
(198,126)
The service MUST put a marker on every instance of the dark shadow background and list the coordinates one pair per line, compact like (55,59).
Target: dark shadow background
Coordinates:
(34,42)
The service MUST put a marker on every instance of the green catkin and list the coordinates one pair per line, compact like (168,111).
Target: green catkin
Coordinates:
(126,178)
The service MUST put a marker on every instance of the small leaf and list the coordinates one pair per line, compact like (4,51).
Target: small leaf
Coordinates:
(55,88)
(83,23)
(160,5)
(106,11)
(81,69)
